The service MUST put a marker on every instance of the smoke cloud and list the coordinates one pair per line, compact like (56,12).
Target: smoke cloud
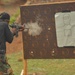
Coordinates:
(33,29)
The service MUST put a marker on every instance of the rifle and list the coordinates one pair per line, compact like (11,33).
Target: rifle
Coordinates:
(17,26)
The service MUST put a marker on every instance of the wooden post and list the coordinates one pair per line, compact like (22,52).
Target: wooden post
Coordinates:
(25,66)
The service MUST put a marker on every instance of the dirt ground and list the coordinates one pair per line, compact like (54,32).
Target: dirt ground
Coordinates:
(11,7)
(17,44)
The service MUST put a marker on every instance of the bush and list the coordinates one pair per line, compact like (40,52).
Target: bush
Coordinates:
(14,17)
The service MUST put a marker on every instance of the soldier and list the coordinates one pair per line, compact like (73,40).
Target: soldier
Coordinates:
(6,35)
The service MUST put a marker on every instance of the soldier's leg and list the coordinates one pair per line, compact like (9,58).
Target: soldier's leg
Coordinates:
(1,71)
(5,68)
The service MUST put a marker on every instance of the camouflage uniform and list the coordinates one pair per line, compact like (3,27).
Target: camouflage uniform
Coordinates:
(5,36)
(5,68)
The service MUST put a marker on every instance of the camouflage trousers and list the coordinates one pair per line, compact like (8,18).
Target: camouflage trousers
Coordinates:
(5,68)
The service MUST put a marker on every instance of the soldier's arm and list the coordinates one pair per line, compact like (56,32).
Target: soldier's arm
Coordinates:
(8,34)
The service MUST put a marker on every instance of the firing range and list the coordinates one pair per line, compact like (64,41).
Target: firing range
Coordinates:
(49,30)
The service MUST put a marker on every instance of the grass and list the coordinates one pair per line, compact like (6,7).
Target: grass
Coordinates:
(53,67)
(46,66)
(15,64)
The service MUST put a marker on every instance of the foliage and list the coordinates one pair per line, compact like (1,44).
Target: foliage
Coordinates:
(14,17)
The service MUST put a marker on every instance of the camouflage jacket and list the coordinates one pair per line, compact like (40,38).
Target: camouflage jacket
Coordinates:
(5,36)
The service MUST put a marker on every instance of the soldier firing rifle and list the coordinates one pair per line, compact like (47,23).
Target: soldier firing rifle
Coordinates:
(6,35)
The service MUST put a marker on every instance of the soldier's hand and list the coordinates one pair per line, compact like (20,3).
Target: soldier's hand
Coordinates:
(13,30)
(22,28)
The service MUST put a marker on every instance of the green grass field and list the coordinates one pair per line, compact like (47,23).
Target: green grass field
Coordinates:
(48,66)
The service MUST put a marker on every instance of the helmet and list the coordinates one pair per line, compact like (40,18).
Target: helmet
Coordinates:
(4,16)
